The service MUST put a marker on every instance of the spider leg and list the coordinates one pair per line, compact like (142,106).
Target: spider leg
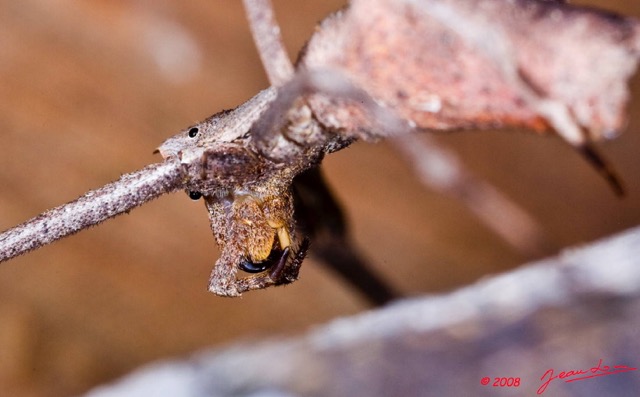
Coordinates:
(223,277)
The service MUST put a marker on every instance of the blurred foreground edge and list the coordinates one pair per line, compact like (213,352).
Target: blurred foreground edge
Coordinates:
(579,311)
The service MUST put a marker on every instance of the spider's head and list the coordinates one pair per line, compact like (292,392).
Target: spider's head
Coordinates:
(194,140)
(223,127)
(174,146)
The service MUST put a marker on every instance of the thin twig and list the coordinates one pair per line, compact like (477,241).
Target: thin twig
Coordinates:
(441,170)
(128,192)
(266,35)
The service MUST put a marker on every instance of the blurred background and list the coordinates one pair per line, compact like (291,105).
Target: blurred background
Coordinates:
(89,89)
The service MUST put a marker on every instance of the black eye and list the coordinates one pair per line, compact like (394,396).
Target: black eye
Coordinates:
(193,132)
(194,195)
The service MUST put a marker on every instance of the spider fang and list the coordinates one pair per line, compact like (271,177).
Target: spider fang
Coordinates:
(276,256)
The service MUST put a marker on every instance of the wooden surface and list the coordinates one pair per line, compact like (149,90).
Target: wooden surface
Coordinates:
(90,89)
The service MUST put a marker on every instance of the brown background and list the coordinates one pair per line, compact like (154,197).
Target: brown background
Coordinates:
(89,89)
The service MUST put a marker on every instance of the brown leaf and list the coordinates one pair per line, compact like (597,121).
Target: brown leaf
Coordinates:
(449,64)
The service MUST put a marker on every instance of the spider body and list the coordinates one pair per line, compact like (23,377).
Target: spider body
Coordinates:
(248,197)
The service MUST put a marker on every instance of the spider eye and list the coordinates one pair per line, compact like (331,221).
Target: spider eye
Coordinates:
(193,132)
(194,195)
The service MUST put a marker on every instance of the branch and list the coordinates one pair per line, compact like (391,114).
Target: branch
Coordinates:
(94,207)
(320,216)
(441,170)
(564,313)
(266,34)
